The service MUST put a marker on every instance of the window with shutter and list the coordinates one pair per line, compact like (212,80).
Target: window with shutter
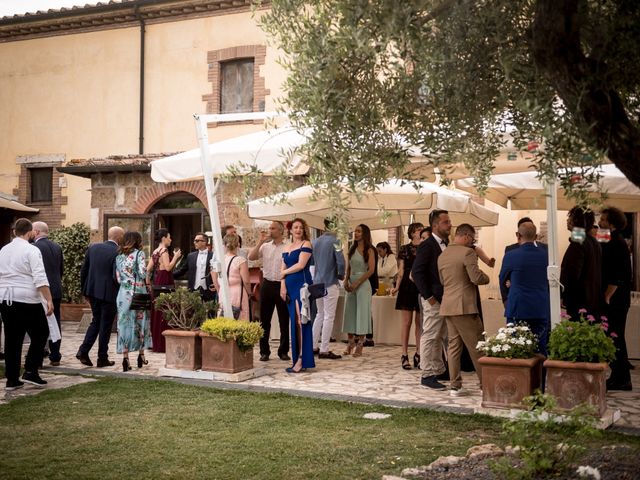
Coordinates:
(236,86)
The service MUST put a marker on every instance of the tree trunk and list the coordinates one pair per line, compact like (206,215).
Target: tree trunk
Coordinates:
(581,83)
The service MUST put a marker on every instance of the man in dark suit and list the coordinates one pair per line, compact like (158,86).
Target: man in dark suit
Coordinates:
(427,279)
(198,269)
(53,266)
(99,286)
(528,299)
(460,275)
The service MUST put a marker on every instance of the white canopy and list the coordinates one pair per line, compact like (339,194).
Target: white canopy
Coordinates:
(526,192)
(399,201)
(265,151)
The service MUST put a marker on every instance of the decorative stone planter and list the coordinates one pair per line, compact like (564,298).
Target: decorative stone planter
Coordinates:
(72,312)
(575,383)
(506,381)
(225,357)
(184,350)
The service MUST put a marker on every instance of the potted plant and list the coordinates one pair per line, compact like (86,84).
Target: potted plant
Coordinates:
(184,312)
(73,241)
(227,344)
(511,369)
(579,353)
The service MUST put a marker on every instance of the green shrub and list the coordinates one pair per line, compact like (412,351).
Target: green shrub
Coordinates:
(246,334)
(583,341)
(182,309)
(74,241)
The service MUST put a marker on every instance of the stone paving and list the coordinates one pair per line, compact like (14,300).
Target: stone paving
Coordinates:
(375,378)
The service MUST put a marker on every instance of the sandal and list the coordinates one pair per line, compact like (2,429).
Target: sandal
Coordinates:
(416,360)
(350,346)
(358,352)
(405,362)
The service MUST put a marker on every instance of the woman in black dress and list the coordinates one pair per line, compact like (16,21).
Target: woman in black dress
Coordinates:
(408,297)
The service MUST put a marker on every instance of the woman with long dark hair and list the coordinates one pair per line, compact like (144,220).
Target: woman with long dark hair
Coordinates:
(160,267)
(295,273)
(357,308)
(133,325)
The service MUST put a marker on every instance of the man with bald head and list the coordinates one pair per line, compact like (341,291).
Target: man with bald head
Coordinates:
(528,297)
(52,258)
(99,286)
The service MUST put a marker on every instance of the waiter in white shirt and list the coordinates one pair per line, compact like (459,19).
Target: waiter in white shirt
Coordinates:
(270,248)
(23,286)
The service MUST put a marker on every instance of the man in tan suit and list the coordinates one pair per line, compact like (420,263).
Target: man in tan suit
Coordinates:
(459,274)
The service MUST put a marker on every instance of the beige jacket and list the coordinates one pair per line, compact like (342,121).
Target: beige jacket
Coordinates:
(459,275)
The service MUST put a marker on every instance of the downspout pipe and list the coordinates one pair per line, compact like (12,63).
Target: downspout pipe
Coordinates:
(141,107)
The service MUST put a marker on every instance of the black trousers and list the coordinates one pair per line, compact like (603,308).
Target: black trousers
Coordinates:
(617,316)
(104,313)
(20,318)
(270,299)
(54,347)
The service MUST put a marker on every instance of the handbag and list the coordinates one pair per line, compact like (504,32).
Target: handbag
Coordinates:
(317,290)
(139,301)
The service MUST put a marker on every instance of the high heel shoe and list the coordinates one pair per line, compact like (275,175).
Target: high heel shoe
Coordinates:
(125,365)
(358,352)
(294,369)
(350,346)
(142,361)
(416,360)
(405,362)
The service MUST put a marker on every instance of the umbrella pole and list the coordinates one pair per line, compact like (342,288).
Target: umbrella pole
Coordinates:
(553,270)
(212,188)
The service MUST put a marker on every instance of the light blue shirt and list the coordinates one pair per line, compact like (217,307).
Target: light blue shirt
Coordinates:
(328,260)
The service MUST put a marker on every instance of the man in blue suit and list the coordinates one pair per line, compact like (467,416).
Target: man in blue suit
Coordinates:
(53,266)
(528,297)
(99,286)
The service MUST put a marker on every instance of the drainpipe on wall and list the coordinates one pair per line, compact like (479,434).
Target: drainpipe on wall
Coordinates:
(141,112)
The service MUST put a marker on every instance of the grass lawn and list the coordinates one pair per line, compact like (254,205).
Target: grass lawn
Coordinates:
(118,428)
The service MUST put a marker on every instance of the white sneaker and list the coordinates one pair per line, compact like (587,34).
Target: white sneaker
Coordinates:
(458,392)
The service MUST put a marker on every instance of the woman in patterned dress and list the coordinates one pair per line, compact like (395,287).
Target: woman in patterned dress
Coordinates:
(408,297)
(134,333)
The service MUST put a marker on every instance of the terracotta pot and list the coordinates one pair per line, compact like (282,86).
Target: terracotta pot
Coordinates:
(183,349)
(72,312)
(575,383)
(506,381)
(225,357)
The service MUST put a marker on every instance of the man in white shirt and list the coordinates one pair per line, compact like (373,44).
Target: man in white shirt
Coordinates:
(24,290)
(270,249)
(198,269)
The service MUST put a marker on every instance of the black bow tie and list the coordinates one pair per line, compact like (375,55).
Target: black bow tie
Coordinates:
(444,242)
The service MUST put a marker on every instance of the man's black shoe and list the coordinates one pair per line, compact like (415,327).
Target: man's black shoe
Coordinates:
(432,382)
(84,359)
(105,363)
(316,351)
(444,376)
(330,355)
(284,357)
(34,379)
(368,343)
(264,358)
(14,385)
(626,387)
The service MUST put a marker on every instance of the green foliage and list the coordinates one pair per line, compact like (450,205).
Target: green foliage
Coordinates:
(512,341)
(246,334)
(581,341)
(182,309)
(456,79)
(74,241)
(532,433)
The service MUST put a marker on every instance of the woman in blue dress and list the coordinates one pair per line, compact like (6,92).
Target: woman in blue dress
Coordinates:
(134,332)
(295,273)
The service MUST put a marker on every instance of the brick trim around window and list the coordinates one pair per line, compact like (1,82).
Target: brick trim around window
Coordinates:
(216,57)
(50,212)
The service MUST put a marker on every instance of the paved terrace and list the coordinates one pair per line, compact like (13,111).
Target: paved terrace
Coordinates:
(375,378)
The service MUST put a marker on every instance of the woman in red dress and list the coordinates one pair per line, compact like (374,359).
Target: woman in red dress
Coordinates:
(160,266)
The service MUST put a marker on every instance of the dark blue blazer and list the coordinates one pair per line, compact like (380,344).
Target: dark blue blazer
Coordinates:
(97,276)
(53,266)
(504,290)
(528,296)
(425,269)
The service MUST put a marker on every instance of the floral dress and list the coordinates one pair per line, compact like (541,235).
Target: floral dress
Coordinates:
(133,325)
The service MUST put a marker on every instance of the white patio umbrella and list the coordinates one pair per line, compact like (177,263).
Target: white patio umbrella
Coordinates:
(265,151)
(399,201)
(523,191)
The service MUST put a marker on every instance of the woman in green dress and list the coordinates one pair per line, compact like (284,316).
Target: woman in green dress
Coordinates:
(357,308)
(134,332)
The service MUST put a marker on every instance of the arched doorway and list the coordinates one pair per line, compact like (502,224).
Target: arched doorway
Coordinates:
(183,215)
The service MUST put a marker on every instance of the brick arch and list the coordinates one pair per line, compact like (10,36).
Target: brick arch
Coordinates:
(160,190)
